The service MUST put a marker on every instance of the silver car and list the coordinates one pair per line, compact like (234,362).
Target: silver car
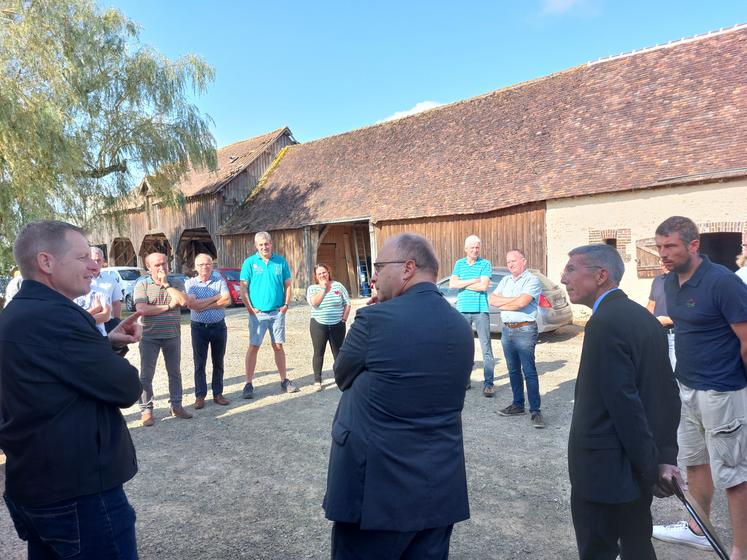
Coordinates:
(553,310)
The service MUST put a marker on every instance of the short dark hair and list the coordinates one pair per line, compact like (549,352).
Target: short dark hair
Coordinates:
(40,236)
(517,251)
(419,249)
(684,226)
(604,256)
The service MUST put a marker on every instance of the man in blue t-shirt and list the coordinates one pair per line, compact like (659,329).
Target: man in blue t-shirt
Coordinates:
(708,304)
(266,293)
(471,277)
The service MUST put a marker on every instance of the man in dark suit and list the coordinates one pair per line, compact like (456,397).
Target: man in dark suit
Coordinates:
(622,446)
(61,387)
(396,482)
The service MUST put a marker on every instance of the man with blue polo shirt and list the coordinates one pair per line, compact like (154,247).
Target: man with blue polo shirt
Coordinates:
(517,296)
(708,304)
(471,277)
(210,297)
(266,292)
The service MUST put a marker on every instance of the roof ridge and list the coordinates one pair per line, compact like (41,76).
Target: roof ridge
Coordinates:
(270,133)
(670,44)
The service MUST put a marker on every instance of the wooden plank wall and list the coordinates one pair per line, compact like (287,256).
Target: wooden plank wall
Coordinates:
(520,227)
(208,211)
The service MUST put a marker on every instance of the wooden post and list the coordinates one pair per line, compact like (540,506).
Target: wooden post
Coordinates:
(352,275)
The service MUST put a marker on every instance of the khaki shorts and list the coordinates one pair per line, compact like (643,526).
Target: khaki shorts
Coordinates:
(713,430)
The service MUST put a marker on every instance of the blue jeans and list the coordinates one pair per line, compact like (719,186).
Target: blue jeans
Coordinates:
(482,326)
(518,349)
(214,336)
(89,527)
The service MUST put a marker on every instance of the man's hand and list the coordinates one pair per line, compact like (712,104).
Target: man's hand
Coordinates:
(663,488)
(127,332)
(283,309)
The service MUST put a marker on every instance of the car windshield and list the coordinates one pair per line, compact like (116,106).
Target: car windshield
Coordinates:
(129,274)
(231,274)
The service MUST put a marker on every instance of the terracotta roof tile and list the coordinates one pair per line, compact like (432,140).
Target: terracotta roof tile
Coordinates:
(612,125)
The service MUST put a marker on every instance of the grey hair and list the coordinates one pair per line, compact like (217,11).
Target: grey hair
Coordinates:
(41,236)
(418,248)
(604,256)
(97,250)
(204,255)
(471,239)
(262,235)
(684,226)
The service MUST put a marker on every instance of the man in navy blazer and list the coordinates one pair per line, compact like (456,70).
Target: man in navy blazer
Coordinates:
(61,387)
(622,446)
(396,482)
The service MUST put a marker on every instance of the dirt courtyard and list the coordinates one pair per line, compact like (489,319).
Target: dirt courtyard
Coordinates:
(247,480)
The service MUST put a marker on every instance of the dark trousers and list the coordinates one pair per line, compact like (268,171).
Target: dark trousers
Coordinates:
(600,527)
(350,542)
(213,336)
(320,335)
(85,528)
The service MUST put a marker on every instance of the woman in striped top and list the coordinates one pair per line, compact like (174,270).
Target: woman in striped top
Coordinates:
(330,307)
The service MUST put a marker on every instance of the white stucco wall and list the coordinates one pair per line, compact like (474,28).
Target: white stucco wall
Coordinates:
(569,221)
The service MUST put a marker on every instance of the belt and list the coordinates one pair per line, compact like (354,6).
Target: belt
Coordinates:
(220,323)
(517,325)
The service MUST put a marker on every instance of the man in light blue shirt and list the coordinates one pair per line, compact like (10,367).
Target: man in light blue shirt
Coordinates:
(471,277)
(517,296)
(210,297)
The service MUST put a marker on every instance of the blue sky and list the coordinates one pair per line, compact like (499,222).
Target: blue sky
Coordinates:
(327,67)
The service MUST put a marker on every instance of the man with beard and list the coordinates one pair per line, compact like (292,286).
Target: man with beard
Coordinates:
(708,304)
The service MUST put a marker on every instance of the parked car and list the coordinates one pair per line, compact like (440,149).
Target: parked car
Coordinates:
(129,301)
(125,275)
(553,310)
(231,276)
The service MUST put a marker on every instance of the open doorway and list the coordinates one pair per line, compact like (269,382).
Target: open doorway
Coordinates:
(722,247)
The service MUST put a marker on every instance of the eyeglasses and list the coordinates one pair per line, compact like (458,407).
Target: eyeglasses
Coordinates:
(203,264)
(381,264)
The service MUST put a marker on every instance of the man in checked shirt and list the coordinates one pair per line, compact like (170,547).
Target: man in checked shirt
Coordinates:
(210,297)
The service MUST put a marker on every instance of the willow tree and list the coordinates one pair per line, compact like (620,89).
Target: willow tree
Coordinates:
(86,110)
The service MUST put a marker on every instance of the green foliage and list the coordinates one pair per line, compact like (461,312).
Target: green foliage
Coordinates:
(83,108)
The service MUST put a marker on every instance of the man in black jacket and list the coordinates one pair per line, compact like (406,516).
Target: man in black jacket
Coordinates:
(622,446)
(396,482)
(61,387)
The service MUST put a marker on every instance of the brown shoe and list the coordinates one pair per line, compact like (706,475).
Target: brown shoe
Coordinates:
(220,399)
(199,403)
(488,391)
(146,418)
(179,412)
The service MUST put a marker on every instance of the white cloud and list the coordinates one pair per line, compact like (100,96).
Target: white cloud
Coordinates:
(559,6)
(418,108)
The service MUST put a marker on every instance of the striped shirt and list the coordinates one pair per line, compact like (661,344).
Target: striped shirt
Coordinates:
(163,325)
(470,301)
(214,286)
(330,311)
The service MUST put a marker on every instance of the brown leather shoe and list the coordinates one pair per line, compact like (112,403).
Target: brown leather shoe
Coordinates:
(199,403)
(179,412)
(220,399)
(146,418)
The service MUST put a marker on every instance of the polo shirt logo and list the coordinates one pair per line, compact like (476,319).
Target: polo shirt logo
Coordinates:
(690,302)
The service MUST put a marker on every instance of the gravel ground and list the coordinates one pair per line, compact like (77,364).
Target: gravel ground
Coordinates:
(247,480)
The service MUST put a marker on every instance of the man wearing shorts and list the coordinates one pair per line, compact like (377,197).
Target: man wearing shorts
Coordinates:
(708,304)
(266,292)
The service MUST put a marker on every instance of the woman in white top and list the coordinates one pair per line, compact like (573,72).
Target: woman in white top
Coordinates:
(330,307)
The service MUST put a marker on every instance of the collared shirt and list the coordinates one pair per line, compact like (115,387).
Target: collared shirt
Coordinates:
(108,283)
(470,301)
(163,325)
(213,286)
(658,297)
(525,283)
(266,281)
(703,309)
(87,302)
(600,298)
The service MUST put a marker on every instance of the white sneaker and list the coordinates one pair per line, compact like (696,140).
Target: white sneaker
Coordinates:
(680,533)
